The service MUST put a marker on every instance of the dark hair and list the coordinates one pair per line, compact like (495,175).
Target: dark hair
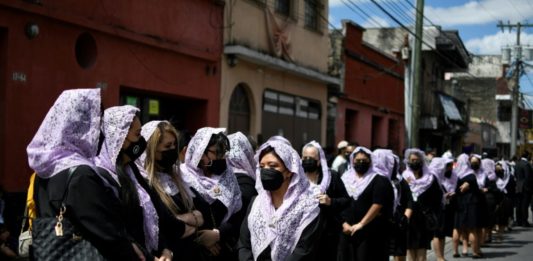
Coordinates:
(221,143)
(128,193)
(268,150)
(184,138)
(525,154)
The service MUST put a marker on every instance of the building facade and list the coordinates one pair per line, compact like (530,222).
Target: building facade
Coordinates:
(140,53)
(370,108)
(274,82)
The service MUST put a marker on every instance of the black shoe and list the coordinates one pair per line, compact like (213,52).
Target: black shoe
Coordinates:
(456,255)
(526,224)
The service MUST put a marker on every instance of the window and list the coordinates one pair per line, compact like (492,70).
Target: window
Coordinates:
(290,105)
(312,14)
(283,7)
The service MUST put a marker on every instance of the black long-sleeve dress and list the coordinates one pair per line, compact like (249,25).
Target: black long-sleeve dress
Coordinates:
(493,197)
(428,203)
(398,242)
(329,241)
(213,215)
(306,248)
(447,217)
(469,206)
(371,242)
(92,208)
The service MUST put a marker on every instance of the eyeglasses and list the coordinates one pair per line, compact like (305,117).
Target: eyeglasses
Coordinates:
(361,161)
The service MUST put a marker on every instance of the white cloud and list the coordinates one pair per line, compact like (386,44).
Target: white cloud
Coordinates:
(481,12)
(376,21)
(492,44)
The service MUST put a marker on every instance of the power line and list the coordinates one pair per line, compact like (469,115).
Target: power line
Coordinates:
(419,38)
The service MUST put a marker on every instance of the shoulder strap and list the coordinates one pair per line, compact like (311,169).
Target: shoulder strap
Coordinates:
(71,170)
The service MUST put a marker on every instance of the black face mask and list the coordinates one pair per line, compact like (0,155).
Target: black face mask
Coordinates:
(448,174)
(217,167)
(168,158)
(475,166)
(135,149)
(499,173)
(310,165)
(415,165)
(361,167)
(271,179)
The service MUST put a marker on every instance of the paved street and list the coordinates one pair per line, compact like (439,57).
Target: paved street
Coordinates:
(517,245)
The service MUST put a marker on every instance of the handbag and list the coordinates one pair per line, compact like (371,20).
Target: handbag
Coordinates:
(24,237)
(57,239)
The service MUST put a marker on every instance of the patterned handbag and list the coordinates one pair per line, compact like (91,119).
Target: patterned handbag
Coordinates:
(56,238)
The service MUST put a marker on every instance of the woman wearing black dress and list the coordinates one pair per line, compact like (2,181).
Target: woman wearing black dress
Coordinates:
(160,170)
(332,196)
(442,169)
(68,139)
(284,221)
(427,204)
(206,171)
(366,220)
(506,185)
(145,218)
(387,165)
(469,219)
(493,196)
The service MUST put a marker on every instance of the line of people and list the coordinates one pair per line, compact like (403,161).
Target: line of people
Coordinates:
(133,198)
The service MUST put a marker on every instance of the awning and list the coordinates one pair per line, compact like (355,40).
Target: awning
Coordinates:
(450,108)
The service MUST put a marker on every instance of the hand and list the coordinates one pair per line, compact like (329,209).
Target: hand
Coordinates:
(324,199)
(449,194)
(138,251)
(355,228)
(208,238)
(199,218)
(166,255)
(463,188)
(215,249)
(485,190)
(346,229)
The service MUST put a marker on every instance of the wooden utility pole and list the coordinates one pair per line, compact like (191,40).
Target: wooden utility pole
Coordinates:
(516,87)
(417,76)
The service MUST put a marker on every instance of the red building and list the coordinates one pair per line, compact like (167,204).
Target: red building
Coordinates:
(370,109)
(163,57)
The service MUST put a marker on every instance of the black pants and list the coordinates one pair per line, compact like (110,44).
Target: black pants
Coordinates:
(522,208)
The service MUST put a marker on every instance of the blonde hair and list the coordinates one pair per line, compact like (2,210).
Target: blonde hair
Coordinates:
(153,178)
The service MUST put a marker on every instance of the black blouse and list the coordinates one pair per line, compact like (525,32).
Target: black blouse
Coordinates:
(305,248)
(91,207)
(380,192)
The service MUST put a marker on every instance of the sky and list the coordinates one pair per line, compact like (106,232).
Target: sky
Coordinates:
(475,20)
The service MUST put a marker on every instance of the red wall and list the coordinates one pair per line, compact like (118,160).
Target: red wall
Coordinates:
(369,93)
(368,84)
(152,48)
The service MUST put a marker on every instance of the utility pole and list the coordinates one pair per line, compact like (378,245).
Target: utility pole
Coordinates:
(417,56)
(516,87)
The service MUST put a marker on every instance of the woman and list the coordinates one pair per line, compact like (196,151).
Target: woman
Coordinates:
(241,159)
(283,222)
(387,165)
(442,169)
(159,163)
(205,170)
(468,219)
(123,144)
(68,137)
(504,210)
(365,220)
(331,194)
(427,204)
(493,197)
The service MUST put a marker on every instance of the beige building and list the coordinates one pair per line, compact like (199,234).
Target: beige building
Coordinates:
(274,69)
